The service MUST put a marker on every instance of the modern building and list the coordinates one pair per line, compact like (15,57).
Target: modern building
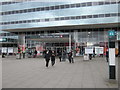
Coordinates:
(68,24)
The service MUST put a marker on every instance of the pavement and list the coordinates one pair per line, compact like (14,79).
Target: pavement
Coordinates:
(32,73)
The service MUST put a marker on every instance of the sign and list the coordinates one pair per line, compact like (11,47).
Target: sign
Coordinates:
(10,50)
(111,56)
(111,33)
(46,36)
(99,50)
(118,35)
(88,50)
(4,50)
(3,39)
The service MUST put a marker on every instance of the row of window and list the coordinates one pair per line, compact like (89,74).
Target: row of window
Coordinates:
(57,7)
(63,18)
(13,2)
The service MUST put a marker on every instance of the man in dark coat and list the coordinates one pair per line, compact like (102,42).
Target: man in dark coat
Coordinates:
(70,57)
(60,55)
(47,58)
(107,55)
(53,57)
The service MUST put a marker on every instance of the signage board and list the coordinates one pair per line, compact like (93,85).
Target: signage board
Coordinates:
(118,35)
(4,50)
(10,50)
(112,35)
(88,50)
(99,50)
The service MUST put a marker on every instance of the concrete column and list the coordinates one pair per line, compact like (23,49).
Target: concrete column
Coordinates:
(21,45)
(21,39)
(70,42)
(119,68)
(0,72)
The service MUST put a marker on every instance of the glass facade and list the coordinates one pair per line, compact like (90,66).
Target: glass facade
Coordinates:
(87,21)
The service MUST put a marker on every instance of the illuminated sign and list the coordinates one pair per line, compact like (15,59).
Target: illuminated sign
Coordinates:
(3,39)
(112,35)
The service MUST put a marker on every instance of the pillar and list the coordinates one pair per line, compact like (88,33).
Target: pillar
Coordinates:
(70,42)
(21,44)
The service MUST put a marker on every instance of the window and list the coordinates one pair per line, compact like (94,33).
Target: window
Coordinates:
(113,2)
(83,17)
(56,7)
(20,21)
(67,6)
(67,18)
(62,6)
(33,20)
(29,21)
(101,15)
(107,15)
(62,18)
(83,4)
(47,8)
(9,12)
(38,20)
(42,9)
(73,5)
(107,2)
(56,19)
(25,11)
(73,17)
(95,3)
(89,3)
(78,5)
(21,11)
(6,13)
(16,12)
(95,16)
(52,8)
(100,3)
(78,17)
(118,14)
(24,21)
(37,9)
(89,16)
(46,19)
(113,14)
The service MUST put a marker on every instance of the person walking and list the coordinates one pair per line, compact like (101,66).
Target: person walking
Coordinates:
(53,57)
(47,58)
(70,57)
(64,55)
(107,56)
(60,55)
(35,53)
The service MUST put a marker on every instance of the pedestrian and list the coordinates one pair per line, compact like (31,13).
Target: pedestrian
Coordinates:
(64,55)
(35,53)
(70,57)
(53,57)
(107,55)
(60,55)
(90,56)
(47,58)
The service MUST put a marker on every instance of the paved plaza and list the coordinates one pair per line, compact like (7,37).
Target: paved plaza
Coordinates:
(32,73)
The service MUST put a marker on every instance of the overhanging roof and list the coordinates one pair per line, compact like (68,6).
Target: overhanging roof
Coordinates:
(90,26)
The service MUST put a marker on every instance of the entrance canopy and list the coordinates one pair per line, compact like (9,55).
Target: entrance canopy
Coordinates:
(53,38)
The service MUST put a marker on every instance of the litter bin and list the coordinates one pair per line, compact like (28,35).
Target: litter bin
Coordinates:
(86,57)
(18,56)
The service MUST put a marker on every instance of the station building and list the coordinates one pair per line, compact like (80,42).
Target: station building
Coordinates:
(68,24)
